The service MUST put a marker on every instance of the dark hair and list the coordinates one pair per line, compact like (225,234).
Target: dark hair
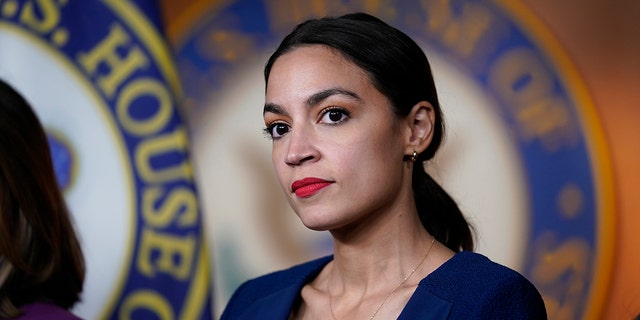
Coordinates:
(40,257)
(399,69)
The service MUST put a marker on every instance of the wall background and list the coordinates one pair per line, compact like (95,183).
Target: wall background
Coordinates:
(602,38)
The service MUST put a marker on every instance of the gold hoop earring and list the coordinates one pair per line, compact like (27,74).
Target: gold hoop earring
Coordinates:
(414,157)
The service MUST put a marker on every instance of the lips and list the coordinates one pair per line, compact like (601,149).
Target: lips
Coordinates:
(308,186)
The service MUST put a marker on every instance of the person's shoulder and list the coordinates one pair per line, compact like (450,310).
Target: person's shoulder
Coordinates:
(45,311)
(254,289)
(474,282)
(473,269)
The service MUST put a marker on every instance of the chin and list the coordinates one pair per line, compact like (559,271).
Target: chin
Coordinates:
(316,223)
(316,226)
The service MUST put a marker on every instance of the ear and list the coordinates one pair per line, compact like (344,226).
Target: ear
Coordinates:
(420,123)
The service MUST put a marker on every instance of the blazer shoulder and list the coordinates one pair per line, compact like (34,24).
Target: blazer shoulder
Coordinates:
(477,285)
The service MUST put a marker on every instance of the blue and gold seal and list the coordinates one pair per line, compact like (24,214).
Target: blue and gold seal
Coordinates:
(102,81)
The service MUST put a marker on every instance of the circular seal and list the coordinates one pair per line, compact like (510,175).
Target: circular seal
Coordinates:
(524,156)
(99,76)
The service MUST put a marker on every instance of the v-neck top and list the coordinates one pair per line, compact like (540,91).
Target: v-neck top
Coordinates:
(467,286)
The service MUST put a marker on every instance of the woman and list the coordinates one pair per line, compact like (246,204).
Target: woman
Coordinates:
(41,263)
(352,109)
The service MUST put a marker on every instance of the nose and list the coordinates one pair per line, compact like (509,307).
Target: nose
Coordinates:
(300,148)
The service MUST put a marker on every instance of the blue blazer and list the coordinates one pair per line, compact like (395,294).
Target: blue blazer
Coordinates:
(467,286)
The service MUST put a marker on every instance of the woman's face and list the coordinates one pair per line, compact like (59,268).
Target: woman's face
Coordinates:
(337,146)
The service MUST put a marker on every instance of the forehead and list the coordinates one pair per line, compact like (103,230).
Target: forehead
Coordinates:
(315,53)
(312,67)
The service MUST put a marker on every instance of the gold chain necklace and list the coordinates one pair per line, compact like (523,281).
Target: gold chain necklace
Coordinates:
(392,291)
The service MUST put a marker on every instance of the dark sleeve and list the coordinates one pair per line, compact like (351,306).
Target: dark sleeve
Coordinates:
(513,297)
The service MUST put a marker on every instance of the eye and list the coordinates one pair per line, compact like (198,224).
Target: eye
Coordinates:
(334,115)
(276,130)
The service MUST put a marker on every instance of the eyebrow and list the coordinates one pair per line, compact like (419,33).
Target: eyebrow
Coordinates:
(314,99)
(273,108)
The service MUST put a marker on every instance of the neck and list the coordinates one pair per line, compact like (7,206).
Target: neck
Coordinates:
(363,279)
(386,249)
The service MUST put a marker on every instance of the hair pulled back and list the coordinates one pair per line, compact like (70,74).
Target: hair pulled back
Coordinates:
(399,69)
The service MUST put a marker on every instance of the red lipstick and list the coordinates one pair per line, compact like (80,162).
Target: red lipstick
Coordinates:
(308,186)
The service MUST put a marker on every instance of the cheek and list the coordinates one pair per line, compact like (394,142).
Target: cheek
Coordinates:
(344,157)
(381,141)
(370,153)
